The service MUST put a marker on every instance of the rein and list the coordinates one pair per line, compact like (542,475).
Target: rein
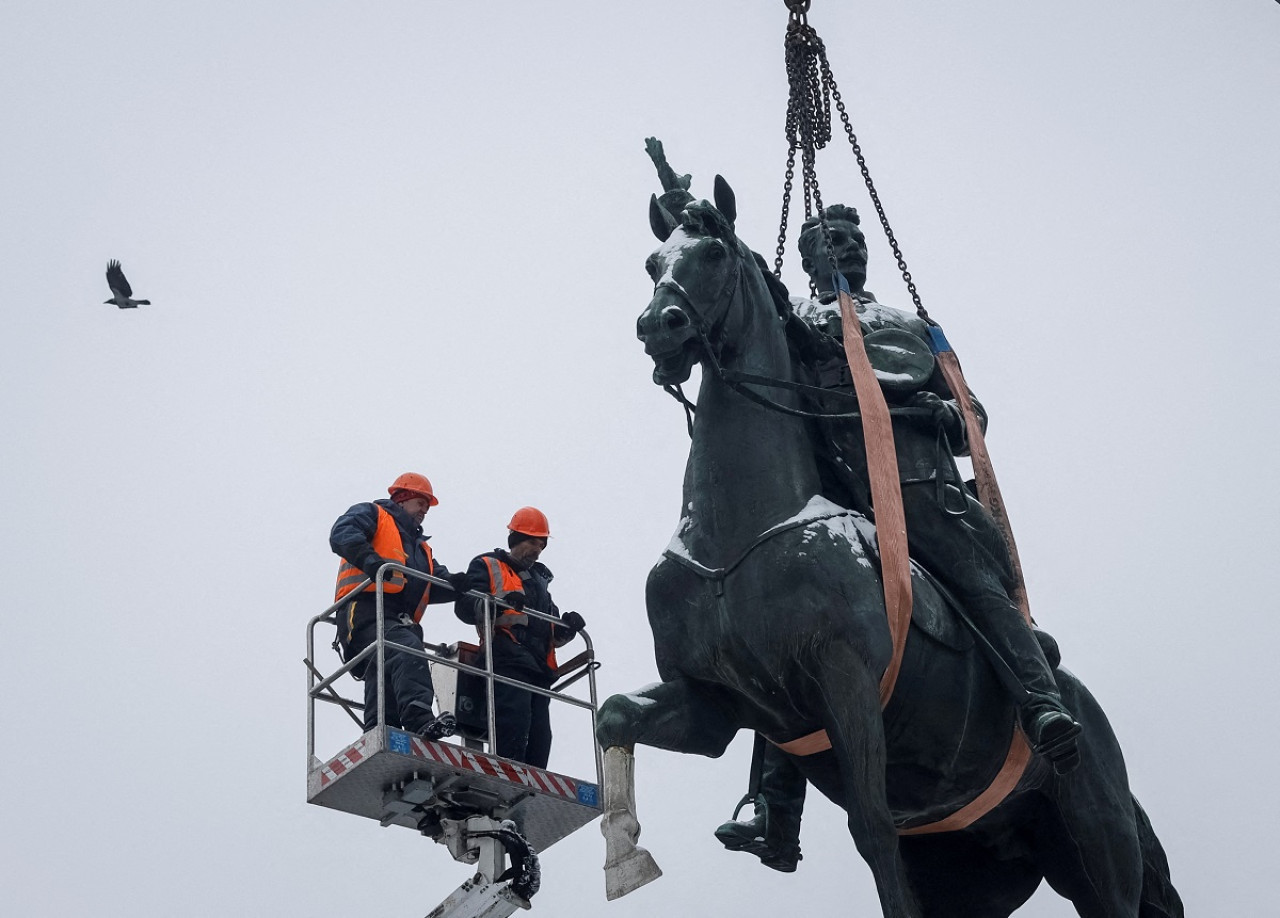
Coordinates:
(735,379)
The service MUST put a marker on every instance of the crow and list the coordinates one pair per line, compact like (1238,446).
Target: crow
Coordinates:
(121,292)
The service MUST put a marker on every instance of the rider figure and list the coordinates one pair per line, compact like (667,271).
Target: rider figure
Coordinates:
(948,531)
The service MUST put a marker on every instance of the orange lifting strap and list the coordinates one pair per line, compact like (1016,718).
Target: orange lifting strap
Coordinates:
(983,471)
(886,492)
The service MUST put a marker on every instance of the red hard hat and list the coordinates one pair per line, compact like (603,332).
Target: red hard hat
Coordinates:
(418,484)
(530,521)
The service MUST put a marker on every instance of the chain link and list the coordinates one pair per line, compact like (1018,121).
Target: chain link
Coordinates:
(875,197)
(808,128)
(786,210)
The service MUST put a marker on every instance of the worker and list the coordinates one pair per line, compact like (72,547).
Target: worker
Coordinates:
(524,647)
(949,531)
(366,537)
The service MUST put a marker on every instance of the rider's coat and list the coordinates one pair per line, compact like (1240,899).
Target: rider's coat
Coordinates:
(922,453)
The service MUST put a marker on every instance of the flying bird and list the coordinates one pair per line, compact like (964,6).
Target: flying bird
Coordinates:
(121,292)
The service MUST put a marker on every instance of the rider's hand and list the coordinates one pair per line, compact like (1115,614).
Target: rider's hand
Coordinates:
(460,582)
(941,412)
(515,599)
(574,622)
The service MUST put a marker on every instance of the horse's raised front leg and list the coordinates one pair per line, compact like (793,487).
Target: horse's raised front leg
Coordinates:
(670,715)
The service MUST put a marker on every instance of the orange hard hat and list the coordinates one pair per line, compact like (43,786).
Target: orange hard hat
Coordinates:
(418,484)
(530,521)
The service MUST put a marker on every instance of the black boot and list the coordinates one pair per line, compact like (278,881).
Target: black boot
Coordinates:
(444,725)
(1050,729)
(1052,733)
(418,718)
(773,833)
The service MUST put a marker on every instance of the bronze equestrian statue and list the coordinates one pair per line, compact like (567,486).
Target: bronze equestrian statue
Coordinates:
(767,615)
(948,530)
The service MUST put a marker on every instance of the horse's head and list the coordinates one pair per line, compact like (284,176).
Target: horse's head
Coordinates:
(695,272)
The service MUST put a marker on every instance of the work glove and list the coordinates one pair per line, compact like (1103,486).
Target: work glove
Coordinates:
(515,599)
(460,582)
(573,621)
(371,566)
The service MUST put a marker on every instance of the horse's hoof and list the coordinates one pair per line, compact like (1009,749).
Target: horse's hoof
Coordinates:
(629,872)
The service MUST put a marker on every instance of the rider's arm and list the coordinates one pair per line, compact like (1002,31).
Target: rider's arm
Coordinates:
(938,396)
(810,344)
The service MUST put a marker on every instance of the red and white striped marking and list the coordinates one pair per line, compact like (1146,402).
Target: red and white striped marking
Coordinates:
(454,757)
(347,759)
(532,778)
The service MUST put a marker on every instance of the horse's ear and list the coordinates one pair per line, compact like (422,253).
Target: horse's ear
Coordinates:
(660,219)
(726,202)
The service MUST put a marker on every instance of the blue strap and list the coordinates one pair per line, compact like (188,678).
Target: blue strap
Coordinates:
(839,284)
(938,342)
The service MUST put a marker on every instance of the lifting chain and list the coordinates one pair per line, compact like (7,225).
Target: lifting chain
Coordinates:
(811,89)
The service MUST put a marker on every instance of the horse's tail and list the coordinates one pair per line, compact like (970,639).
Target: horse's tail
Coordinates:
(1159,898)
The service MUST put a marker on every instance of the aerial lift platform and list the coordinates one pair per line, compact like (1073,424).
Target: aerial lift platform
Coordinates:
(488,811)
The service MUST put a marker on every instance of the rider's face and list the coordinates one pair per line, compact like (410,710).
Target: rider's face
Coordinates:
(848,246)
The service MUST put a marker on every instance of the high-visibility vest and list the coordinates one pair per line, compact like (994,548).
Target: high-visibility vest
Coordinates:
(389,545)
(503,578)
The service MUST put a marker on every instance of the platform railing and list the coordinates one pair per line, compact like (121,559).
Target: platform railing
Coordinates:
(320,687)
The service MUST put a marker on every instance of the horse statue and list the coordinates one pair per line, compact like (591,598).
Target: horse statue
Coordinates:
(768,615)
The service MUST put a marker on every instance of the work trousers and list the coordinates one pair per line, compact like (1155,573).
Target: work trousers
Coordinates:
(522,719)
(406,681)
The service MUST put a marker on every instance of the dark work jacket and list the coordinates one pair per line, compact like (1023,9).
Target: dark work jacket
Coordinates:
(351,538)
(527,646)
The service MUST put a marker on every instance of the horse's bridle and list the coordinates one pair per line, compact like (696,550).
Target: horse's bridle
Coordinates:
(700,323)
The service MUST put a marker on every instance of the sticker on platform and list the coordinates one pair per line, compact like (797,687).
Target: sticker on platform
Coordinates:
(398,741)
(588,794)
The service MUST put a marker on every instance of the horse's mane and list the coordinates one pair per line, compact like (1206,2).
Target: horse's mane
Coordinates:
(777,289)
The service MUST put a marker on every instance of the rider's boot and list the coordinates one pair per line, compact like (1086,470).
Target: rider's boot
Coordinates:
(1048,725)
(773,833)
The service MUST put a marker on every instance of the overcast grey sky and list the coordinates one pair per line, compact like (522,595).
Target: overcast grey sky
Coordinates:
(400,236)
